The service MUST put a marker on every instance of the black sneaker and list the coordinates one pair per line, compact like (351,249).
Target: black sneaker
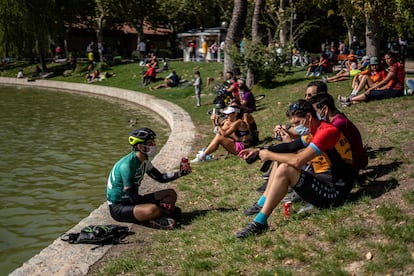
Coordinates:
(162,223)
(262,188)
(253,228)
(253,210)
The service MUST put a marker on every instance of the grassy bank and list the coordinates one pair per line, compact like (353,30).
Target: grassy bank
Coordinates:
(371,234)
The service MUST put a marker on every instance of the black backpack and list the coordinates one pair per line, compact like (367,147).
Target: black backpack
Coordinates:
(98,234)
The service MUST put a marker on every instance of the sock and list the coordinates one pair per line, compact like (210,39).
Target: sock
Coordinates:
(261,201)
(261,218)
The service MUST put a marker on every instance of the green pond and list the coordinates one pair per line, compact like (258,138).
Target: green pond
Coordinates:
(56,150)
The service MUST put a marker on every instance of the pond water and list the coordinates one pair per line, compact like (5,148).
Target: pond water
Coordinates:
(56,150)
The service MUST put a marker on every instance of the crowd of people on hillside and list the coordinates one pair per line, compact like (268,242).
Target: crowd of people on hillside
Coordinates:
(316,158)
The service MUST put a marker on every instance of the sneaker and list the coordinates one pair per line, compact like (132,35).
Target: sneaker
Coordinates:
(317,74)
(306,208)
(252,229)
(292,197)
(200,157)
(253,210)
(342,99)
(262,188)
(324,79)
(163,223)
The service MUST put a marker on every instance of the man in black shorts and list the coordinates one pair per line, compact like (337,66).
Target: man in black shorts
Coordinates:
(318,166)
(156,209)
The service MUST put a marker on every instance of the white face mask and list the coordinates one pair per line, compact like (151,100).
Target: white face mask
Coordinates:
(152,151)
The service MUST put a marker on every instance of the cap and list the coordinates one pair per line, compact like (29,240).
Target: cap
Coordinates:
(230,110)
(365,58)
(373,61)
(351,56)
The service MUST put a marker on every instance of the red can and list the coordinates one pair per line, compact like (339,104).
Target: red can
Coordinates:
(185,165)
(286,208)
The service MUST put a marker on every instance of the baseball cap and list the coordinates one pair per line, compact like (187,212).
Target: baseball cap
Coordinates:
(373,61)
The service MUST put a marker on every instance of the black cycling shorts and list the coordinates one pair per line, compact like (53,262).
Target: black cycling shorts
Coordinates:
(124,212)
(320,192)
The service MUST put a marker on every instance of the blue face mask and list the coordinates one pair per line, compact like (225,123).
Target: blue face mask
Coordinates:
(301,129)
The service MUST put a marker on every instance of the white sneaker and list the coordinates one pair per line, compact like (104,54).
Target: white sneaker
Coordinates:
(409,92)
(342,99)
(317,74)
(200,157)
(324,79)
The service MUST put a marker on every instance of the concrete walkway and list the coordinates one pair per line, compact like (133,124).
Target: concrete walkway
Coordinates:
(61,258)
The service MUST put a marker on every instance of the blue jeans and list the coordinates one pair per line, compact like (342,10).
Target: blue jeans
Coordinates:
(410,83)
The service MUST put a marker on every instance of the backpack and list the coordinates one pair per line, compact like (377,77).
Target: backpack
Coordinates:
(98,234)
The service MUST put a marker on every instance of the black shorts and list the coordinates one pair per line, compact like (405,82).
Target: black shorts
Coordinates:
(318,190)
(124,212)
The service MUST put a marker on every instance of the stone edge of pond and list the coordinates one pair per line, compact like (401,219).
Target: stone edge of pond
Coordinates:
(61,258)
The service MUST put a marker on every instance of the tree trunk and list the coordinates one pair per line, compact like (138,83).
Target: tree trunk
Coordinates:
(99,37)
(235,32)
(283,24)
(256,35)
(372,39)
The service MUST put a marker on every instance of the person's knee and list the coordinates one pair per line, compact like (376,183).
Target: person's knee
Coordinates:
(146,212)
(172,194)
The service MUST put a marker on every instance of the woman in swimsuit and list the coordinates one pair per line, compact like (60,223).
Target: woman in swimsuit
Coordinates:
(232,133)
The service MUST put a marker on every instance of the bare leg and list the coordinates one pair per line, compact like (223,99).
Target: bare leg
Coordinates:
(218,140)
(280,179)
(145,212)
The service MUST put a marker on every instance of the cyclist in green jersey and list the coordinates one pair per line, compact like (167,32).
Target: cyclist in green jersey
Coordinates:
(155,209)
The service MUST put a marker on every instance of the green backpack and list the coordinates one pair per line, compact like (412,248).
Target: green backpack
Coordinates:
(98,234)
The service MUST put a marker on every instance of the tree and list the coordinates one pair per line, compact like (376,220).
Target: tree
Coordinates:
(235,32)
(259,7)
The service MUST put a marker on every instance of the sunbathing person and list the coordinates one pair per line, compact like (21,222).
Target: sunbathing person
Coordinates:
(232,134)
(346,74)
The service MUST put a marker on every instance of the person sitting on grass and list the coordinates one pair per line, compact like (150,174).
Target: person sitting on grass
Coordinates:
(318,166)
(232,133)
(390,87)
(345,74)
(157,209)
(171,80)
(366,79)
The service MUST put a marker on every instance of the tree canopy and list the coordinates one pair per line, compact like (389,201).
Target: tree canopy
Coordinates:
(31,25)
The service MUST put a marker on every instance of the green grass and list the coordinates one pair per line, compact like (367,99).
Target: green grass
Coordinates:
(378,219)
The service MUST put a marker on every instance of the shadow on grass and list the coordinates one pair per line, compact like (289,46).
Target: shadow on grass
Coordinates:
(375,188)
(372,154)
(188,217)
